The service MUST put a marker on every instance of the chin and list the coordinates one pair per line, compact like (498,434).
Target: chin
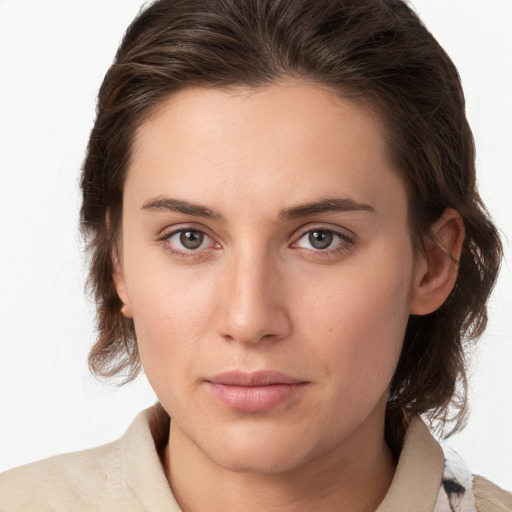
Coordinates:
(258,460)
(265,450)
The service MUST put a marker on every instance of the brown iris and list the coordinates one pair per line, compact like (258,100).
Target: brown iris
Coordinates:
(320,239)
(191,239)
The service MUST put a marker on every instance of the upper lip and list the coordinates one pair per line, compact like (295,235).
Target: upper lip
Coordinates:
(250,379)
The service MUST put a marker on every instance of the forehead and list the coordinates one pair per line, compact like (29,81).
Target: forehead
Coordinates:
(260,115)
(286,142)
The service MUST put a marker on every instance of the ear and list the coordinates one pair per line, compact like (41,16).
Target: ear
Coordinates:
(120,284)
(437,267)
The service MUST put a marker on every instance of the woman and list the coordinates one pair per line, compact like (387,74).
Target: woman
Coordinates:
(286,234)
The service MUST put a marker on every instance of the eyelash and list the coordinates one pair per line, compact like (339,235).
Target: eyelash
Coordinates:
(345,241)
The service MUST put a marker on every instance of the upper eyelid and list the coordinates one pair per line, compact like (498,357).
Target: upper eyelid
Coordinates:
(169,231)
(341,231)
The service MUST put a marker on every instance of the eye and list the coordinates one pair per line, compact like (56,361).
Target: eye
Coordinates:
(187,241)
(322,240)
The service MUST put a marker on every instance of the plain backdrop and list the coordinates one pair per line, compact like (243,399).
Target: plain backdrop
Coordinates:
(53,55)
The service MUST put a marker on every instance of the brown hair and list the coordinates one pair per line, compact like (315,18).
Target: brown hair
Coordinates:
(374,51)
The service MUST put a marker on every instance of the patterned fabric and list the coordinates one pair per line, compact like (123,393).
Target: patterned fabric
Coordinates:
(456,491)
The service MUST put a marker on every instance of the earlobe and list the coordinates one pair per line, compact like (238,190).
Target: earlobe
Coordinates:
(126,311)
(437,268)
(120,284)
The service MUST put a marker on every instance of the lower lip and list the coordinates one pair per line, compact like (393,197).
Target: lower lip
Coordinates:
(255,398)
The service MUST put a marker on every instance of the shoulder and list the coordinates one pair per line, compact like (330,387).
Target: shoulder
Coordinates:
(124,475)
(63,482)
(489,497)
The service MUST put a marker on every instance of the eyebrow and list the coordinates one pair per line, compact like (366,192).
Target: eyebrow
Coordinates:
(339,204)
(179,205)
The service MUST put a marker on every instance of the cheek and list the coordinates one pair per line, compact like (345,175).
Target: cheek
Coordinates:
(172,313)
(166,298)
(363,318)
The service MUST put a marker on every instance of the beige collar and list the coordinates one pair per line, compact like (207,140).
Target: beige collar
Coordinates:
(418,475)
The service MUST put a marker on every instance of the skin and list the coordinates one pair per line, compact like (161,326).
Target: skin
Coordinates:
(258,294)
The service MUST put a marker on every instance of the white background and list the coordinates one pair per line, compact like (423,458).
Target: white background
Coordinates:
(53,55)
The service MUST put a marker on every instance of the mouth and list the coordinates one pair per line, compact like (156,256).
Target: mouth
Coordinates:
(254,392)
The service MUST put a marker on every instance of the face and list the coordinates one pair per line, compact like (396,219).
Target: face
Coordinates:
(268,266)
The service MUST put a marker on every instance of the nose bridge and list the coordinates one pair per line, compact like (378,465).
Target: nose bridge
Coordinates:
(253,304)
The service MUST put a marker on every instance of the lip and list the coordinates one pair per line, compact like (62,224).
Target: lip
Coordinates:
(256,391)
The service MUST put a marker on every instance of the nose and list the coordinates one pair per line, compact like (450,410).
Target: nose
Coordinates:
(254,305)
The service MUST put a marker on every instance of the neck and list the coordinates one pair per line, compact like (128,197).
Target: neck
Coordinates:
(353,476)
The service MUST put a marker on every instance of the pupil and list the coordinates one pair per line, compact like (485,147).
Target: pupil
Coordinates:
(191,239)
(320,239)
